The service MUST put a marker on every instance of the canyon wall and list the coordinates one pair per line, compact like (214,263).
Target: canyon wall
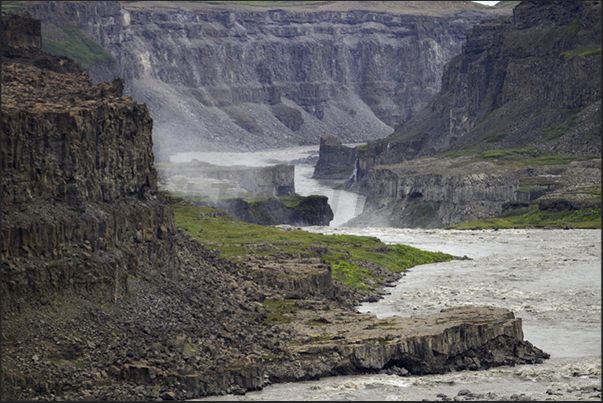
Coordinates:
(529,83)
(533,79)
(430,193)
(79,205)
(220,77)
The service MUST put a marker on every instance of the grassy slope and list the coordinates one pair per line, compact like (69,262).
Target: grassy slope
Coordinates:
(217,230)
(79,47)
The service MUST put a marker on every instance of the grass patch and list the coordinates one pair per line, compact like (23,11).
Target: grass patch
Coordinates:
(557,131)
(279,311)
(536,218)
(496,138)
(519,157)
(217,230)
(14,5)
(78,47)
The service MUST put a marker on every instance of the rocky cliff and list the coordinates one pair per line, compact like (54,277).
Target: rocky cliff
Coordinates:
(435,192)
(79,211)
(529,83)
(533,79)
(224,77)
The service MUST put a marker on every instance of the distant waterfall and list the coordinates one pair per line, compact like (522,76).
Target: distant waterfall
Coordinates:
(355,175)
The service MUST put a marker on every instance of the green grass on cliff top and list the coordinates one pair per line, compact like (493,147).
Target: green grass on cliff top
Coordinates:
(535,218)
(237,240)
(78,47)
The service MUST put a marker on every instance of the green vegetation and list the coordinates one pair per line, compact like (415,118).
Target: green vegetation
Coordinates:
(581,53)
(279,311)
(347,253)
(78,47)
(536,218)
(14,5)
(561,129)
(496,138)
(525,156)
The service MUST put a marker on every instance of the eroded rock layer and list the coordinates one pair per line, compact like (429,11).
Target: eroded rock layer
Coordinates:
(78,191)
(247,78)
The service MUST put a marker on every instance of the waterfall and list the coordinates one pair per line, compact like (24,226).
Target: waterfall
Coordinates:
(355,176)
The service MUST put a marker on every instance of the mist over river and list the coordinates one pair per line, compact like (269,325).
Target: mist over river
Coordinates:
(551,279)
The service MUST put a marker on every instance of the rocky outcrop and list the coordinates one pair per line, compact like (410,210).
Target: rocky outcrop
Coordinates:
(79,211)
(335,161)
(432,193)
(225,77)
(298,211)
(428,344)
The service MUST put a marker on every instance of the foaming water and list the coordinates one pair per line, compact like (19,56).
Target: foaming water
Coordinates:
(345,205)
(551,279)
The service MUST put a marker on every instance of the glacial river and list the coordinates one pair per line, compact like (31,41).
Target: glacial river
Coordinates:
(551,279)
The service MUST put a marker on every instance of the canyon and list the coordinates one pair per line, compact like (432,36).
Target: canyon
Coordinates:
(220,77)
(525,88)
(104,298)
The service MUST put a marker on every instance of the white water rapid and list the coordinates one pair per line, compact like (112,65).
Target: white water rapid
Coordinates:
(551,279)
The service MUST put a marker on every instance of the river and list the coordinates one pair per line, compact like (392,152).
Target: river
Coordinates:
(551,279)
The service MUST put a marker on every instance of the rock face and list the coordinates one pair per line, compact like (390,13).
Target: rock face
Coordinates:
(310,210)
(531,80)
(240,78)
(431,193)
(335,161)
(78,191)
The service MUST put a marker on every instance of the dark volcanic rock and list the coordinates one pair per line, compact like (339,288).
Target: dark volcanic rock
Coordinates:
(335,161)
(310,210)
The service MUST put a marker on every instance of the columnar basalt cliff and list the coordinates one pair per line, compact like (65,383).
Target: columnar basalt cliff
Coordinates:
(104,299)
(531,80)
(78,190)
(244,78)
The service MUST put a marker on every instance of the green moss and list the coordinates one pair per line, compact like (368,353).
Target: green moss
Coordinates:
(559,130)
(78,47)
(496,138)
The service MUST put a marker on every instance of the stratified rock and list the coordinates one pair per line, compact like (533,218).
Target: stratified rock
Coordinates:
(335,161)
(79,205)
(292,73)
